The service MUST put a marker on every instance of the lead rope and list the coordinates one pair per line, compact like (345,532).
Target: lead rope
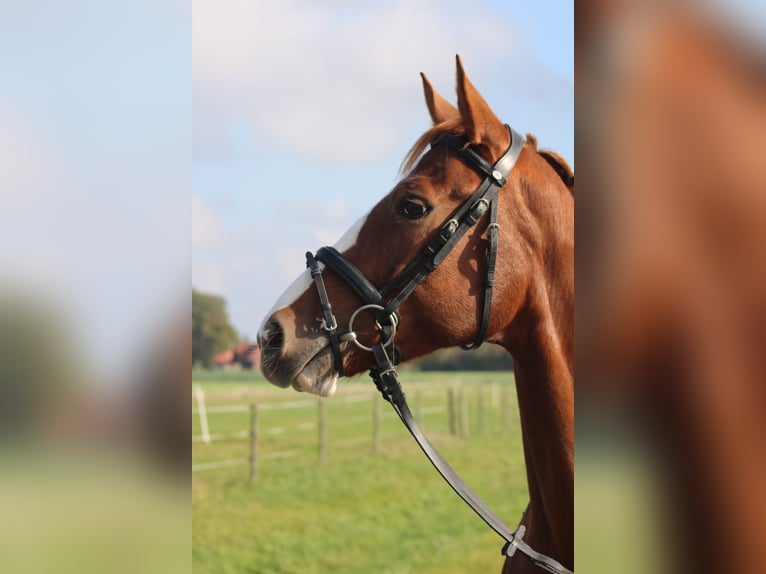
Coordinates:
(387,382)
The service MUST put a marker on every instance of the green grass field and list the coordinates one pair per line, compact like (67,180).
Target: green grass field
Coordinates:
(360,511)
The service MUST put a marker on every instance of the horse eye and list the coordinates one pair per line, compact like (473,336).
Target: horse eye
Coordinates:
(412,208)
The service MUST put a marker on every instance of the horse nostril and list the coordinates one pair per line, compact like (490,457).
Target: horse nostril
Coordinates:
(271,340)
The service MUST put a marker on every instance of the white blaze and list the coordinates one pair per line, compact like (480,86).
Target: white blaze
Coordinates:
(303,281)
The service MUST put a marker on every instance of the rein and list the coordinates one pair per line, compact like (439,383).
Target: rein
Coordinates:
(384,305)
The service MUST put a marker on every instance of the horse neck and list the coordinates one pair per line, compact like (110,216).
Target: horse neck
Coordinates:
(540,339)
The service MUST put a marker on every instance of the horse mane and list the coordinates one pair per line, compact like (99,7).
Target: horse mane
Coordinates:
(558,163)
(457,127)
(561,167)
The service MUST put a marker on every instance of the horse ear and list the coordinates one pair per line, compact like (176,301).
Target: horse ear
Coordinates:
(439,108)
(482,123)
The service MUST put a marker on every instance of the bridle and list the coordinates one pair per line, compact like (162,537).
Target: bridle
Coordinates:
(382,302)
(384,305)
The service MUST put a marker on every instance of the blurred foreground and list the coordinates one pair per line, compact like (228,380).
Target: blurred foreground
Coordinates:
(93,476)
(95,137)
(671,288)
(69,512)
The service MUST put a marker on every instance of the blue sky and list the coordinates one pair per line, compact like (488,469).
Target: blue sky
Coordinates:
(303,112)
(287,121)
(95,138)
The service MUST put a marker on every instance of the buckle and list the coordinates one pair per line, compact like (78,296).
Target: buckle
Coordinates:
(510,547)
(332,326)
(449,228)
(477,210)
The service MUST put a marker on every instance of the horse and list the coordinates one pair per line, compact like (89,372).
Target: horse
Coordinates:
(526,305)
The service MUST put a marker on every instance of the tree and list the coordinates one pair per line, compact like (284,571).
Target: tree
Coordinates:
(211,330)
(485,358)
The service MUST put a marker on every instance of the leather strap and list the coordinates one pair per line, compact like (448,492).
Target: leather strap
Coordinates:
(366,291)
(387,382)
(329,323)
(495,177)
(492,235)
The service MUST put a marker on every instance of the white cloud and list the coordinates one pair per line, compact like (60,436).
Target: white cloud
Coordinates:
(28,161)
(32,178)
(338,86)
(209,278)
(207,229)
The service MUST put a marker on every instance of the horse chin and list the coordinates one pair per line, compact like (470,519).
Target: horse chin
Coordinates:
(322,387)
(318,377)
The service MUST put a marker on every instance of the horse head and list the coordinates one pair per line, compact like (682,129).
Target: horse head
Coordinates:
(533,229)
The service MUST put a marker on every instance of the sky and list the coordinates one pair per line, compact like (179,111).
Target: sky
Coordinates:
(95,170)
(282,121)
(303,112)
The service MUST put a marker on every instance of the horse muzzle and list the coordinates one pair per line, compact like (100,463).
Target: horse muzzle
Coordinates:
(304,363)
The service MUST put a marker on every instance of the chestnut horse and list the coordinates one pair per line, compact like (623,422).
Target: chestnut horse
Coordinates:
(532,304)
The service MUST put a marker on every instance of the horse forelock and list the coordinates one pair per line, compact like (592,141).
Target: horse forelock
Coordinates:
(454,127)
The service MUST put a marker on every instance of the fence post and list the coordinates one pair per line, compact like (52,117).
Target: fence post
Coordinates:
(451,410)
(376,422)
(322,431)
(253,443)
(480,408)
(202,415)
(463,413)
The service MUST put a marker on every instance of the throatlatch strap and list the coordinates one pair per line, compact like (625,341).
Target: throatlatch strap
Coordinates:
(492,235)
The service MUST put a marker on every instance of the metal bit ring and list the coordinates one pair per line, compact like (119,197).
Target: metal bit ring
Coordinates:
(351,326)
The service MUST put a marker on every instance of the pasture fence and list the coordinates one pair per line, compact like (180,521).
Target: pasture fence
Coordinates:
(454,402)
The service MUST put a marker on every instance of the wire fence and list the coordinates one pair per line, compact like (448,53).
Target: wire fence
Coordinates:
(293,428)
